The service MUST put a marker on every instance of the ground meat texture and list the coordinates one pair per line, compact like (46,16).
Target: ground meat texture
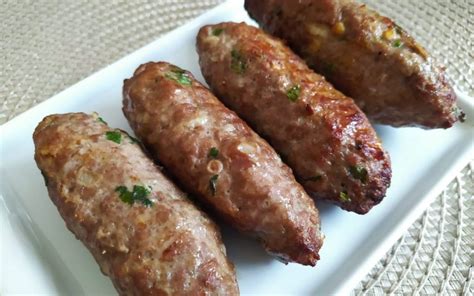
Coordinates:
(141,229)
(218,158)
(322,135)
(366,56)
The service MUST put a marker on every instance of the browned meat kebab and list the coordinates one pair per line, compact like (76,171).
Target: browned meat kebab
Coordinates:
(323,136)
(141,229)
(216,156)
(366,56)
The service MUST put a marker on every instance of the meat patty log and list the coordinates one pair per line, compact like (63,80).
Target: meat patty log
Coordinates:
(320,133)
(141,229)
(366,56)
(217,157)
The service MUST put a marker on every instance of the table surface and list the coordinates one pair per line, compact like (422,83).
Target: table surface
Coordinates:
(47,46)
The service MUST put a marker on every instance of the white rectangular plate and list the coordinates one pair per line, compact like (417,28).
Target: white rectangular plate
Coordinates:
(40,256)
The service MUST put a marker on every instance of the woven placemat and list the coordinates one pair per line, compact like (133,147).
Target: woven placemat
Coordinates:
(46,46)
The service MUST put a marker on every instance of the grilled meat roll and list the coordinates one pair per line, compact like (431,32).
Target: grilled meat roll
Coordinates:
(218,158)
(322,135)
(141,229)
(366,56)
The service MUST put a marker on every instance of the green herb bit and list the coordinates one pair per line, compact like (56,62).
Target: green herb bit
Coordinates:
(294,93)
(398,29)
(180,76)
(213,152)
(133,140)
(343,196)
(213,184)
(217,31)
(100,119)
(114,136)
(125,195)
(238,64)
(359,173)
(397,43)
(139,194)
(314,178)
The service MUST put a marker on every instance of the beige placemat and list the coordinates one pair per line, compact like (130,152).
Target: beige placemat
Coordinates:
(46,46)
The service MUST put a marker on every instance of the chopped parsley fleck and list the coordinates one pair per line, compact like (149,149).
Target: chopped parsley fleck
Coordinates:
(100,119)
(124,194)
(179,75)
(314,178)
(217,31)
(139,194)
(293,93)
(213,152)
(343,196)
(134,140)
(397,43)
(238,64)
(359,173)
(114,136)
(213,184)
(398,29)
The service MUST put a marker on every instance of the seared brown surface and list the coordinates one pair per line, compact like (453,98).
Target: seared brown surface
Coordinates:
(215,155)
(321,134)
(168,248)
(366,56)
